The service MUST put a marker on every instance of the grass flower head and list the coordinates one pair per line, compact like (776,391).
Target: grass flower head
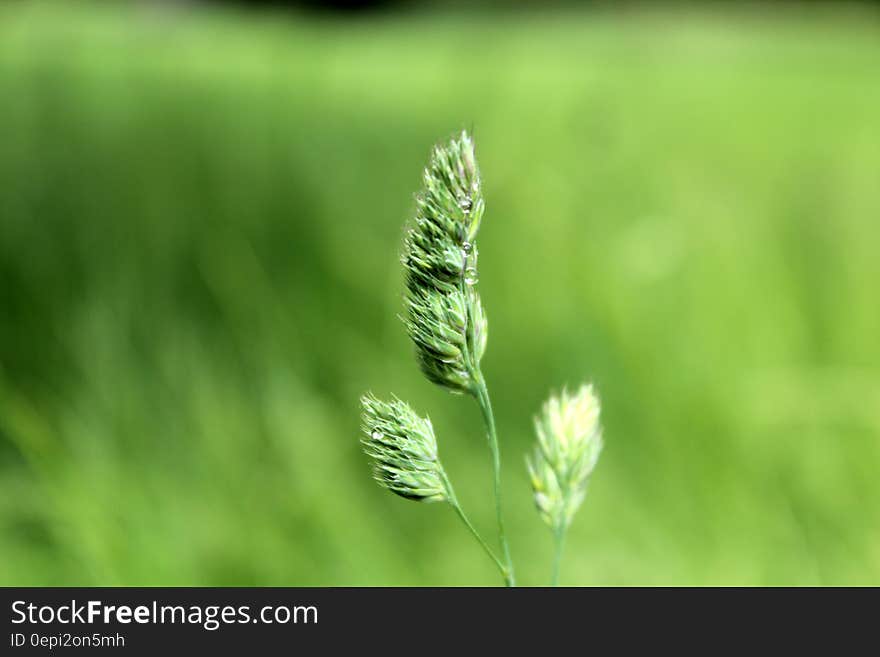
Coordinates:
(443,314)
(568,446)
(403,450)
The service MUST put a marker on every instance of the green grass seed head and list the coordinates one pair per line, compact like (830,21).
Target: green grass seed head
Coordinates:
(569,440)
(443,314)
(403,450)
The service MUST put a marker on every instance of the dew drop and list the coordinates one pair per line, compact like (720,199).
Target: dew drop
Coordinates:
(467,248)
(376,435)
(470,276)
(465,204)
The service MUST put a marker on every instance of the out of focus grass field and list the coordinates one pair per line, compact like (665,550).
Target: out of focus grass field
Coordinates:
(200,214)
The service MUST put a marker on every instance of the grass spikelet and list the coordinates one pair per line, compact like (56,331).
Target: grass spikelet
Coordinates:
(443,314)
(403,449)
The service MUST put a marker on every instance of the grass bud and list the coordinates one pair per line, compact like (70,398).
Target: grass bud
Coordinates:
(568,446)
(403,450)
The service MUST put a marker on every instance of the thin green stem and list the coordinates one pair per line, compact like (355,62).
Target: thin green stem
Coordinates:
(558,541)
(489,418)
(480,540)
(453,501)
(481,392)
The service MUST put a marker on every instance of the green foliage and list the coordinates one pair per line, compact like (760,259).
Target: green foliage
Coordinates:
(198,214)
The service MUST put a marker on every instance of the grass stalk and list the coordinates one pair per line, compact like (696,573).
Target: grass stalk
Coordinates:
(558,544)
(482,394)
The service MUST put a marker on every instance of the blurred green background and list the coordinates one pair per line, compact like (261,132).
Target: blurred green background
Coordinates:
(200,216)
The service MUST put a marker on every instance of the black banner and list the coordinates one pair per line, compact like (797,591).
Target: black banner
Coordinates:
(412,621)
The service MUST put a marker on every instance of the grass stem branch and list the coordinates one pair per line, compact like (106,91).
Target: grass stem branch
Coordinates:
(482,394)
